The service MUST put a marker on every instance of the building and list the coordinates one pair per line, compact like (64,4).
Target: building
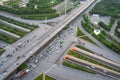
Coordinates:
(2,2)
(95,19)
(23,3)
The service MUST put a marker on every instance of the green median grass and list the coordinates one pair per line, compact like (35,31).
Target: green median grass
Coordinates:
(7,39)
(83,57)
(84,48)
(12,30)
(40,77)
(80,33)
(22,67)
(22,24)
(1,50)
(78,67)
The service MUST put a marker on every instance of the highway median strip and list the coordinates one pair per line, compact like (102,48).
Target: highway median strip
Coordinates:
(7,39)
(75,54)
(40,77)
(85,37)
(22,67)
(22,24)
(12,30)
(78,67)
(84,48)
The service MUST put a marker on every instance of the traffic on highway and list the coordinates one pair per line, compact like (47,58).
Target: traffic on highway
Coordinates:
(45,49)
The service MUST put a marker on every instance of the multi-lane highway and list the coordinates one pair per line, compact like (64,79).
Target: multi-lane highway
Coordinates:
(95,56)
(11,67)
(117,74)
(53,52)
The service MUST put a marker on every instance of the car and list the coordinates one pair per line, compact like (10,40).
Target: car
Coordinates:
(4,72)
(33,65)
(93,67)
(60,46)
(49,52)
(104,70)
(36,60)
(16,49)
(9,55)
(1,64)
(56,48)
(88,67)
(19,43)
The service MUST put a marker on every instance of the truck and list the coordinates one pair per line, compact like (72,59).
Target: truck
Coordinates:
(22,73)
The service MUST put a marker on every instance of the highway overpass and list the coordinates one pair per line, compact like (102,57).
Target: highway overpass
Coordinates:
(11,66)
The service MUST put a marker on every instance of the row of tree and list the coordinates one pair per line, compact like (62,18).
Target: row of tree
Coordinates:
(117,30)
(107,8)
(43,7)
(101,37)
(22,24)
(105,26)
(40,16)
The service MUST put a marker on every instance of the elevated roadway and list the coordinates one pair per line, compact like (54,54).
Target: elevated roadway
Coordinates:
(9,67)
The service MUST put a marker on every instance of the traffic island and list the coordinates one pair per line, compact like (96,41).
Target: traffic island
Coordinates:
(22,67)
(80,34)
(40,77)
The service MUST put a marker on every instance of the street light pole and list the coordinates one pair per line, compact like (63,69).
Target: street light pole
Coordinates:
(45,20)
(43,76)
(65,5)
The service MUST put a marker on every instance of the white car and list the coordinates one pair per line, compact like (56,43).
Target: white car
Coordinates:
(33,65)
(93,67)
(104,70)
(36,60)
(88,67)
(5,72)
(56,48)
